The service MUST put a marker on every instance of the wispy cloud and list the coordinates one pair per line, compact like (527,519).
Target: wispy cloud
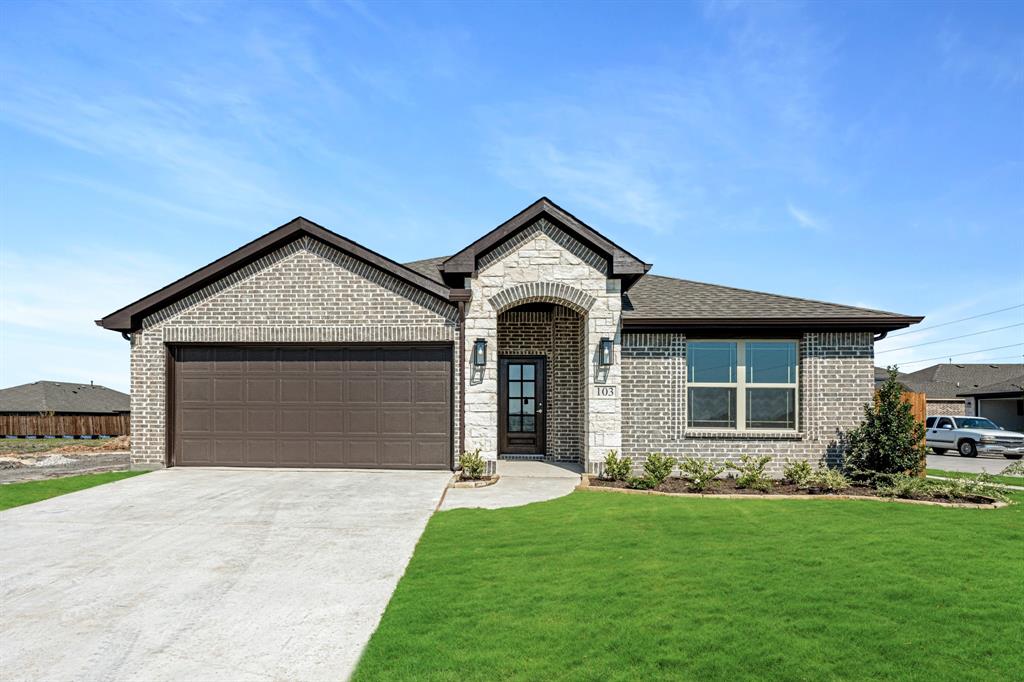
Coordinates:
(804,217)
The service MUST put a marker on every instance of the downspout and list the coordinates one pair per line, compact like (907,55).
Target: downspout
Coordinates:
(462,379)
(126,336)
(879,337)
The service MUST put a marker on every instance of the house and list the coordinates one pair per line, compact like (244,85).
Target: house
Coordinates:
(61,408)
(946,385)
(1001,401)
(541,339)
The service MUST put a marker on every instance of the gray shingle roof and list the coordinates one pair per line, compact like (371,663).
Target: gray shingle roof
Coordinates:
(1014,385)
(63,397)
(948,381)
(428,268)
(655,297)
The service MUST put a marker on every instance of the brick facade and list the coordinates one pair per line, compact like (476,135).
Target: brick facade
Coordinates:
(955,408)
(836,378)
(305,291)
(556,334)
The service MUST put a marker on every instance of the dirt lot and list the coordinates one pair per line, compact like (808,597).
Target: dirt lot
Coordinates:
(35,446)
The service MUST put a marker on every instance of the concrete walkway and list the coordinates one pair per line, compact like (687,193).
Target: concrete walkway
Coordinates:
(520,483)
(207,574)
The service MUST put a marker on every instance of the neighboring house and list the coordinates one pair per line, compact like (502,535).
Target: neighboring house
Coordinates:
(541,339)
(60,408)
(882,375)
(1002,402)
(945,385)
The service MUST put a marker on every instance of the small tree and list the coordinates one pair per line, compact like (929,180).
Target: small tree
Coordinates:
(889,440)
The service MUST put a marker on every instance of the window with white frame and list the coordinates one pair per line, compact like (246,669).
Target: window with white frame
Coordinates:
(741,385)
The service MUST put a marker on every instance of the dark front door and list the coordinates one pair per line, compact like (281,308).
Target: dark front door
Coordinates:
(521,405)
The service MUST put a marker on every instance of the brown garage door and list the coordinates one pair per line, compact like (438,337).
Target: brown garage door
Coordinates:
(383,407)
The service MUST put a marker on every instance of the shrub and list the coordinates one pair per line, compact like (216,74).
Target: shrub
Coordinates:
(799,473)
(1015,469)
(905,487)
(966,488)
(889,440)
(832,480)
(751,472)
(617,468)
(640,482)
(700,473)
(658,467)
(472,464)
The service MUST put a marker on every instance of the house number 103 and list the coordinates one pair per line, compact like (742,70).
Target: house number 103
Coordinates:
(606,391)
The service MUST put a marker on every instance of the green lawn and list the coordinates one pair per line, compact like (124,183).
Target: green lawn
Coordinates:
(1006,480)
(17,494)
(18,446)
(599,586)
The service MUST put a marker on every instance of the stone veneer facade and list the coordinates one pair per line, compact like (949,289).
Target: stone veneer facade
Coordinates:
(953,408)
(542,263)
(306,291)
(836,379)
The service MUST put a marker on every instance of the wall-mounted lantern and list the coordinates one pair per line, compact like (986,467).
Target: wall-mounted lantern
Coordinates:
(480,352)
(605,354)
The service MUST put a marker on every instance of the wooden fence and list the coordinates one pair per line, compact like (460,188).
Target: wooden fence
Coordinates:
(64,425)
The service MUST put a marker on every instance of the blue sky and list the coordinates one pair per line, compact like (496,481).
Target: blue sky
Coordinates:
(858,153)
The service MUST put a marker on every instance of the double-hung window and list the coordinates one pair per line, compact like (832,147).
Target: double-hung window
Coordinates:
(741,385)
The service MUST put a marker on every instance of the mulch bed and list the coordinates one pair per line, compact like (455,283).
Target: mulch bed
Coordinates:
(727,486)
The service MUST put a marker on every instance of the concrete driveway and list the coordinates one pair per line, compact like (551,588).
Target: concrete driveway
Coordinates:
(199,574)
(982,463)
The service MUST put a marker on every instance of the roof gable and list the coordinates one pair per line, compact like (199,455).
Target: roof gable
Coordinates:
(129,318)
(621,263)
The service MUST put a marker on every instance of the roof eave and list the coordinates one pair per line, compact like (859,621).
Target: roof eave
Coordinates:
(790,323)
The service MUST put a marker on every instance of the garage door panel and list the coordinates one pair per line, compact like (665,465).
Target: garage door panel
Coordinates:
(362,390)
(396,390)
(432,390)
(396,422)
(260,390)
(196,389)
(330,421)
(295,390)
(293,421)
(319,406)
(432,454)
(363,453)
(261,420)
(228,420)
(195,451)
(294,452)
(195,420)
(229,452)
(327,391)
(228,389)
(260,453)
(431,423)
(397,453)
(362,422)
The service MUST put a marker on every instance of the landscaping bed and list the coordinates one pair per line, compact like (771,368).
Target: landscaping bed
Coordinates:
(729,486)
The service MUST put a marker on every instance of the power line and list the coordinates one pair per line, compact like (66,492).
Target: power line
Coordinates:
(962,319)
(954,338)
(956,355)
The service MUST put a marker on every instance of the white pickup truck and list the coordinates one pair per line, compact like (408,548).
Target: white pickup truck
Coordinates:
(971,435)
